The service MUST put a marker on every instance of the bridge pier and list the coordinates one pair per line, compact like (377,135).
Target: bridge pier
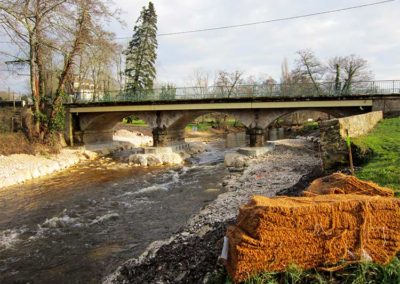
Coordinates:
(257,136)
(166,137)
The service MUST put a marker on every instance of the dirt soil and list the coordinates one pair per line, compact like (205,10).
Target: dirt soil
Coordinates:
(191,255)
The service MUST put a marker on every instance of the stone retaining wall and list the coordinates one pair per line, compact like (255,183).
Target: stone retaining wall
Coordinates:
(334,133)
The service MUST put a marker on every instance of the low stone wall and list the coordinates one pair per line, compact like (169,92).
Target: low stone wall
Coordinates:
(358,125)
(334,133)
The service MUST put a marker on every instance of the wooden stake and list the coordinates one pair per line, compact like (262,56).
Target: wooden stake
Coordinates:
(348,142)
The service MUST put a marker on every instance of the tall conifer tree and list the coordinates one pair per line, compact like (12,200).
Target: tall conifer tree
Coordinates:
(141,54)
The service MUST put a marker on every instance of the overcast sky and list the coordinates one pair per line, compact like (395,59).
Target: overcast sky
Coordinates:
(372,33)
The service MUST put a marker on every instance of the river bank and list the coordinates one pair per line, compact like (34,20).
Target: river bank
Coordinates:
(19,168)
(191,255)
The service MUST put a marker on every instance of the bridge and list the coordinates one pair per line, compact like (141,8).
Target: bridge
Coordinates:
(168,110)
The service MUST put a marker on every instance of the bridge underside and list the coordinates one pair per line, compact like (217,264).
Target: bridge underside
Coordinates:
(87,125)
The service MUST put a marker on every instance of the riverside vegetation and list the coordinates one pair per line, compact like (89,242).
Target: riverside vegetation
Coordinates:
(383,167)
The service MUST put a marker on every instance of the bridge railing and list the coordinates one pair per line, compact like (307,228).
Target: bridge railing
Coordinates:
(292,90)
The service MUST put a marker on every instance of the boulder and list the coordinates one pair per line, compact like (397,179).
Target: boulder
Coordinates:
(154,160)
(185,156)
(235,160)
(90,155)
(138,159)
(171,159)
(196,148)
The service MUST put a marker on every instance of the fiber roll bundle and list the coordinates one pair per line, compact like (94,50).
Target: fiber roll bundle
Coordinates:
(319,231)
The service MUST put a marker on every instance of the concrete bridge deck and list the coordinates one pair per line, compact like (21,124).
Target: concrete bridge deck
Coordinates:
(222,104)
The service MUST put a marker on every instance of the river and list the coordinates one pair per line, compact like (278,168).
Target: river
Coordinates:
(79,225)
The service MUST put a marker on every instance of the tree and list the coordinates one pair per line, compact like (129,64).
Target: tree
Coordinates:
(351,70)
(141,54)
(97,64)
(309,68)
(200,82)
(285,74)
(50,31)
(168,92)
(226,82)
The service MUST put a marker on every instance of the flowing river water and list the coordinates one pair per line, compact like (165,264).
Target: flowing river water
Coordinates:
(79,225)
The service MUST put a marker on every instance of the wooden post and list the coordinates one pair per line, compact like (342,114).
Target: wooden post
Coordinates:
(70,129)
(348,142)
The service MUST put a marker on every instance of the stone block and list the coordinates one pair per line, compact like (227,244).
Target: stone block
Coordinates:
(235,160)
(154,160)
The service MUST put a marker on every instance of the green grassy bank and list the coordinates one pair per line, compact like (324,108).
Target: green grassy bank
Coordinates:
(384,165)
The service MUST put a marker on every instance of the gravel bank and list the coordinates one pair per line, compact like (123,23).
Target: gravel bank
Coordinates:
(191,255)
(18,168)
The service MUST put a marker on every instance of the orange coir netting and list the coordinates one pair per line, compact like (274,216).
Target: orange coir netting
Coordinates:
(320,231)
(339,183)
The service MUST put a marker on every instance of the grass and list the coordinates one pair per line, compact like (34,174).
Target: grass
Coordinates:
(362,273)
(310,126)
(384,165)
(135,122)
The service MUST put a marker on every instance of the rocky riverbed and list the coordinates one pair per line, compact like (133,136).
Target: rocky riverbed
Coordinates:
(191,255)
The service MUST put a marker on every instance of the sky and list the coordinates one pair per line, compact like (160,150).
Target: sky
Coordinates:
(371,32)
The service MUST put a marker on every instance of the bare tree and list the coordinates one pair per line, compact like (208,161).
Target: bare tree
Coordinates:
(285,74)
(119,66)
(309,68)
(226,82)
(350,70)
(56,30)
(200,80)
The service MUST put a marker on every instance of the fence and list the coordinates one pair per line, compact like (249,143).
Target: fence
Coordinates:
(294,90)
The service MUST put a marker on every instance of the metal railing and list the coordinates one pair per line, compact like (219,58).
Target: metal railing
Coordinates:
(293,90)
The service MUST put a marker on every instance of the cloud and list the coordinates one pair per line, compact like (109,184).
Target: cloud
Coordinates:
(369,32)
(372,33)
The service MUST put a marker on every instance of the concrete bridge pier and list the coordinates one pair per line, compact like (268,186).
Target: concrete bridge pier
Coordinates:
(159,136)
(257,136)
(163,136)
